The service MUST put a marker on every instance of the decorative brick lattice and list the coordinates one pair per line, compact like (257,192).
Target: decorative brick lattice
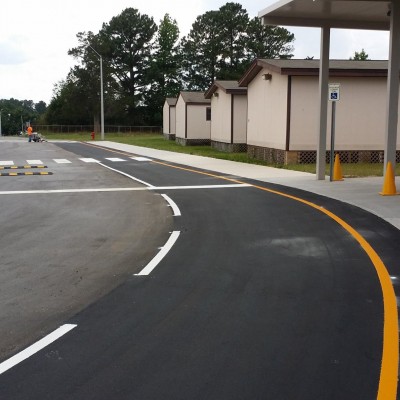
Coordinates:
(229,147)
(271,156)
(192,142)
(274,156)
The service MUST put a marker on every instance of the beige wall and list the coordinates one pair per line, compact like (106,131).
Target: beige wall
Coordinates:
(239,119)
(221,117)
(197,126)
(166,118)
(180,117)
(172,119)
(360,114)
(267,104)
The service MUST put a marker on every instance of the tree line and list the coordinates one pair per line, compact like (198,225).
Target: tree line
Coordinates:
(16,114)
(143,63)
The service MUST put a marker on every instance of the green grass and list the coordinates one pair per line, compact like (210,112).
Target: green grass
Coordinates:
(157,141)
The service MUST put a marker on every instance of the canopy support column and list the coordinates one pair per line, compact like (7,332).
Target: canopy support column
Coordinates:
(393,86)
(323,101)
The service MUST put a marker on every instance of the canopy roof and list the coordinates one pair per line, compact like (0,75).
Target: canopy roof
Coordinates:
(351,14)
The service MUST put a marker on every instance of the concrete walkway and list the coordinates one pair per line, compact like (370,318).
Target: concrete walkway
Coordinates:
(361,192)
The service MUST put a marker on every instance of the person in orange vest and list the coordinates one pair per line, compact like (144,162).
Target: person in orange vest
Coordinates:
(30,133)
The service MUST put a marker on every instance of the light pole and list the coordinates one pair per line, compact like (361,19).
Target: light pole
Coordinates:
(101,93)
(0,122)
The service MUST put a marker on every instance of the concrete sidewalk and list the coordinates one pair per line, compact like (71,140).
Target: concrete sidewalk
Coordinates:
(361,192)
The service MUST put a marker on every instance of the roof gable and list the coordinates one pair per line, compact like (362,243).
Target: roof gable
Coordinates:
(226,86)
(171,101)
(194,97)
(311,68)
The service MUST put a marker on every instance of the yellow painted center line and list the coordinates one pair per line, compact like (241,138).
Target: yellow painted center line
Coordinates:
(390,354)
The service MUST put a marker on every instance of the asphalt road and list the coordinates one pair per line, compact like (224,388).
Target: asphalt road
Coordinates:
(261,297)
(62,251)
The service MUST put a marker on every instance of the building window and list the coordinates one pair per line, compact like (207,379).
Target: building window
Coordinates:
(208,114)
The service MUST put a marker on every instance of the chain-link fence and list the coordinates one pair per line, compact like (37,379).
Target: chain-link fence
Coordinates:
(90,128)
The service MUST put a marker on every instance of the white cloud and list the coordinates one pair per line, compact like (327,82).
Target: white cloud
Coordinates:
(35,37)
(12,53)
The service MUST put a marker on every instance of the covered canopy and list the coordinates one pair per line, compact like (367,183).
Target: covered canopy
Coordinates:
(351,14)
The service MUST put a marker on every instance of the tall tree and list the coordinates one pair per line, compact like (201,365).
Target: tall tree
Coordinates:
(233,21)
(360,56)
(15,113)
(222,44)
(201,50)
(165,68)
(267,41)
(127,42)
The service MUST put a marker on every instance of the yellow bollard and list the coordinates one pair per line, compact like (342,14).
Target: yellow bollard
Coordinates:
(389,185)
(337,169)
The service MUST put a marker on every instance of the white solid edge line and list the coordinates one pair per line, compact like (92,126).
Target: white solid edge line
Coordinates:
(116,189)
(31,350)
(127,175)
(175,208)
(161,254)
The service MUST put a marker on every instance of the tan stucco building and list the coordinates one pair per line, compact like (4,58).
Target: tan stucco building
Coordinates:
(229,115)
(169,118)
(283,110)
(193,119)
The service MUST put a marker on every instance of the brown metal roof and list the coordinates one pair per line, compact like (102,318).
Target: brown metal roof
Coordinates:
(171,101)
(226,86)
(194,97)
(311,68)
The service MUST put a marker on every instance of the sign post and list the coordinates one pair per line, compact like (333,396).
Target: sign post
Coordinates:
(334,97)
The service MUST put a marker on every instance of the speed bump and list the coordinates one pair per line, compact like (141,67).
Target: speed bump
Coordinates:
(23,166)
(24,173)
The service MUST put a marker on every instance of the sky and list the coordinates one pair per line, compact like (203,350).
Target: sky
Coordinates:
(35,37)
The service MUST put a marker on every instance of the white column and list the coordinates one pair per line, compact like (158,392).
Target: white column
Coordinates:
(393,86)
(323,101)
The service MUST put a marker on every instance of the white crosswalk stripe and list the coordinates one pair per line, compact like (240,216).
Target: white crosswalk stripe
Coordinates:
(65,161)
(89,160)
(140,158)
(115,159)
(34,162)
(61,161)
